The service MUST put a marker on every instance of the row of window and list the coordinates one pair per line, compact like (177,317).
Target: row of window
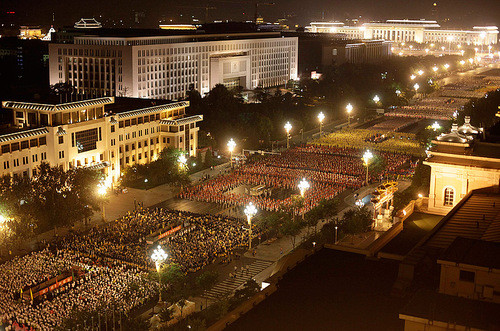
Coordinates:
(24,159)
(25,144)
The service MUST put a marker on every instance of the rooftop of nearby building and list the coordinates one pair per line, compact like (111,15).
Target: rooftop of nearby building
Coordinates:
(122,104)
(473,252)
(452,310)
(476,216)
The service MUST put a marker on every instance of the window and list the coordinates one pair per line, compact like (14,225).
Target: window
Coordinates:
(467,276)
(61,154)
(61,139)
(448,196)
(34,157)
(86,140)
(6,164)
(43,155)
(112,128)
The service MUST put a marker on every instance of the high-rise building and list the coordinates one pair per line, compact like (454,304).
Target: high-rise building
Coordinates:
(146,64)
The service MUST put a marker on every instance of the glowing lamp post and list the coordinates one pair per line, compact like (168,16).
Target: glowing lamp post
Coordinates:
(250,211)
(303,186)
(231,144)
(349,109)
(435,126)
(101,190)
(321,117)
(420,72)
(288,128)
(376,99)
(159,256)
(412,77)
(446,66)
(416,87)
(367,156)
(435,69)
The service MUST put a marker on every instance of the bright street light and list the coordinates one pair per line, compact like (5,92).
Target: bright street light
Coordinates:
(250,211)
(231,144)
(321,117)
(102,190)
(412,77)
(303,186)
(435,126)
(182,160)
(367,156)
(288,128)
(446,66)
(435,68)
(416,87)
(159,256)
(376,99)
(349,109)
(462,62)
(420,72)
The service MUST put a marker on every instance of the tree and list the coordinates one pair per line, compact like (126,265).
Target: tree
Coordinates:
(291,228)
(166,314)
(206,281)
(249,289)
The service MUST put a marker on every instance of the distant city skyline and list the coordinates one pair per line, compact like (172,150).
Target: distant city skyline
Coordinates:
(457,13)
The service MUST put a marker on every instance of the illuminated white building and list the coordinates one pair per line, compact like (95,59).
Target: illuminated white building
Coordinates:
(418,31)
(104,134)
(166,67)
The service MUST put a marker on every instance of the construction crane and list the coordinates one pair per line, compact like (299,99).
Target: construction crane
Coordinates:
(207,8)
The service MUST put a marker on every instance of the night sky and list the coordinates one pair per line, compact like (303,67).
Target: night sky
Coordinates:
(460,13)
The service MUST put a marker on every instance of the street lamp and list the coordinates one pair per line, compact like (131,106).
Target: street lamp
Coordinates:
(462,62)
(182,161)
(446,66)
(336,227)
(303,186)
(376,99)
(435,126)
(321,117)
(231,144)
(367,156)
(412,77)
(420,72)
(416,87)
(349,109)
(101,190)
(288,128)
(159,256)
(435,69)
(250,211)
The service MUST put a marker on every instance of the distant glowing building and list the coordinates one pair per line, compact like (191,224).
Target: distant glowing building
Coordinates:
(146,64)
(418,31)
(30,32)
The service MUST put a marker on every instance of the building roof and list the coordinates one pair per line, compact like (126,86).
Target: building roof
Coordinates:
(476,216)
(23,134)
(477,149)
(464,162)
(183,121)
(153,109)
(122,105)
(57,107)
(452,310)
(473,252)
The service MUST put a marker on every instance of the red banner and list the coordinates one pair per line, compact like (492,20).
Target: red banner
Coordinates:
(55,285)
(169,232)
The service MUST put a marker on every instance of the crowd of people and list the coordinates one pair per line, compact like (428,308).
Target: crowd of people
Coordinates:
(100,286)
(329,171)
(397,142)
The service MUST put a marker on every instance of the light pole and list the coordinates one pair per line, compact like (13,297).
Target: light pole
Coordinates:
(288,128)
(250,211)
(367,156)
(416,87)
(336,227)
(321,117)
(159,256)
(101,190)
(349,109)
(231,144)
(376,99)
(303,187)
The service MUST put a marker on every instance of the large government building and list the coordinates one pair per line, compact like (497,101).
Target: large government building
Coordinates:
(418,31)
(105,133)
(146,64)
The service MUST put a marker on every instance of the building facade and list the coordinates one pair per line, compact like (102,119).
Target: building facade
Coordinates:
(418,31)
(102,133)
(166,67)
(459,164)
